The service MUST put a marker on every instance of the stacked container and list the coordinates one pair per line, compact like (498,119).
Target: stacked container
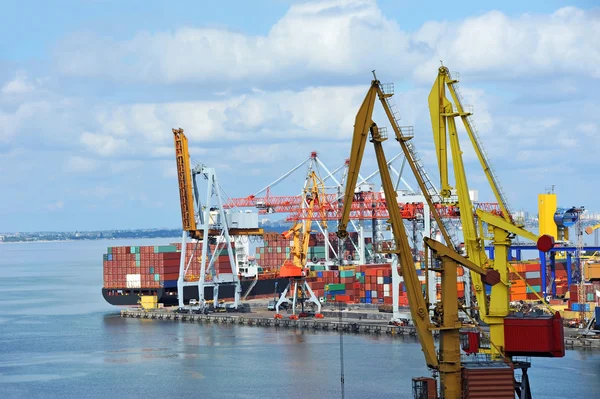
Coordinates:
(275,251)
(140,267)
(156,266)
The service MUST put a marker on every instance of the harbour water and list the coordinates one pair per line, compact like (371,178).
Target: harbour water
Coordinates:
(59,339)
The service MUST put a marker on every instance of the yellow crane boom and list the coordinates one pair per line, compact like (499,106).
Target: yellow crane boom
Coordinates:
(184,178)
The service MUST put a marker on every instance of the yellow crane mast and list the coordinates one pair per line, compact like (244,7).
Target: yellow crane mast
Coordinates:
(448,362)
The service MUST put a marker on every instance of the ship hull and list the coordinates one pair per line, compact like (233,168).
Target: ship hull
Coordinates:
(168,296)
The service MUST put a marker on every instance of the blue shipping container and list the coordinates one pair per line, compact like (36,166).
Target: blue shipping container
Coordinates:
(109,256)
(170,283)
(597,318)
(577,307)
(319,274)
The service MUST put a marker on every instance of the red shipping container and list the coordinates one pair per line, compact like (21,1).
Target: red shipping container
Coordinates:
(541,336)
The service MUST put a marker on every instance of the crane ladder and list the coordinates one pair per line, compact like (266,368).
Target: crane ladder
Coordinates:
(388,88)
(477,141)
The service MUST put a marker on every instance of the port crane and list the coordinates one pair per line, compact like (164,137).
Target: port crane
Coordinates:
(502,226)
(447,363)
(210,226)
(295,268)
(494,274)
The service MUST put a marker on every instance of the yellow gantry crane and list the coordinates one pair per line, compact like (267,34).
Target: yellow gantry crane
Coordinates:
(503,228)
(447,362)
(295,269)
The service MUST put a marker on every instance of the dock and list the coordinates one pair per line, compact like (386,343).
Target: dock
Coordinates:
(373,324)
(356,326)
(582,343)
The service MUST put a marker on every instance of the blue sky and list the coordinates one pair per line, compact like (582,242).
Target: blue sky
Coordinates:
(90,89)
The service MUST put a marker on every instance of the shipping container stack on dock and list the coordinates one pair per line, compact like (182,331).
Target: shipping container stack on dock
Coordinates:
(355,284)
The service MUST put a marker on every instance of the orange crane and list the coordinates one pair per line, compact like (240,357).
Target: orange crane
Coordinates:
(213,223)
(295,269)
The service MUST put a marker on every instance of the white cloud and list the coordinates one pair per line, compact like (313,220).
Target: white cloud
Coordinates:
(102,144)
(331,36)
(346,38)
(493,44)
(19,85)
(80,164)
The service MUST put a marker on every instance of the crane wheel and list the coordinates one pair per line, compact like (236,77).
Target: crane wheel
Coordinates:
(278,316)
(319,316)
(294,317)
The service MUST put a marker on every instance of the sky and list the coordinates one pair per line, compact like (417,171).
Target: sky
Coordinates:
(90,90)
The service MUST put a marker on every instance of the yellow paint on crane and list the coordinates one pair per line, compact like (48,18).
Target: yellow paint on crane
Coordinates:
(546,210)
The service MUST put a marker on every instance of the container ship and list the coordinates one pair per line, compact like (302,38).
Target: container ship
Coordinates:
(134,271)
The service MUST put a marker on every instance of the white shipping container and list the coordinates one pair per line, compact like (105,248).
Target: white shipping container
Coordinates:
(134,280)
(386,287)
(373,294)
(532,275)
(386,293)
(379,280)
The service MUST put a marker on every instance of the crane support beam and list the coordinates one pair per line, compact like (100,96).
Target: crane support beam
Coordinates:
(362,123)
(499,222)
(450,366)
(490,276)
(418,308)
(437,103)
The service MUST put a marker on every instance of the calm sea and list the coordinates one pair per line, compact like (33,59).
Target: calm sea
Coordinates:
(59,339)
